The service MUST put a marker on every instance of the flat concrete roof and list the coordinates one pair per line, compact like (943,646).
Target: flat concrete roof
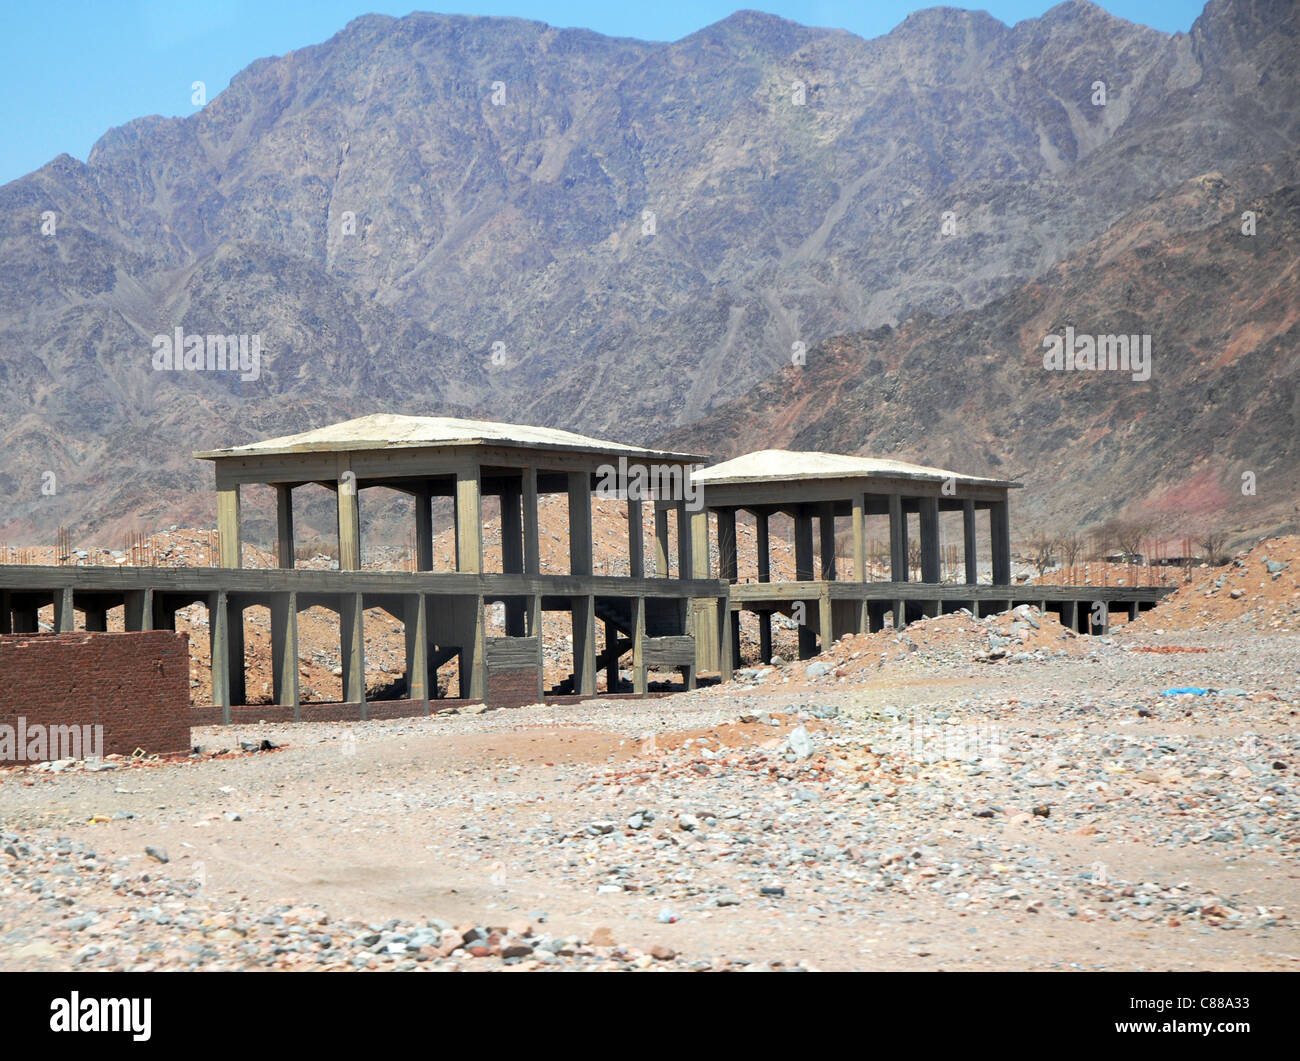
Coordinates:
(783,465)
(380,431)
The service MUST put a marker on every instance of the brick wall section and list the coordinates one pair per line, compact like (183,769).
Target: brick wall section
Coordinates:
(512,687)
(135,685)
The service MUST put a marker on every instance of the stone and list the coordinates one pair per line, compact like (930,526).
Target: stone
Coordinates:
(602,937)
(662,953)
(158,854)
(800,742)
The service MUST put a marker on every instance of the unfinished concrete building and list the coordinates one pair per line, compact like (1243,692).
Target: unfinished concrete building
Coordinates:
(816,487)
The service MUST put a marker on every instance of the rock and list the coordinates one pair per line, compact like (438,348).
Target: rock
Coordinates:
(817,669)
(667,917)
(800,742)
(727,900)
(602,937)
(600,828)
(1275,567)
(773,890)
(688,822)
(1042,811)
(158,854)
(662,953)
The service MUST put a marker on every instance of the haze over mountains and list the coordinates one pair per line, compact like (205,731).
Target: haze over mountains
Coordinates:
(619,237)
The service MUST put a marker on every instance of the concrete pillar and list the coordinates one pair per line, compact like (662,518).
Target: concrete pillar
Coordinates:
(473,654)
(971,542)
(219,646)
(897,539)
(807,635)
(469,521)
(284,650)
(1133,610)
(580,547)
(349,518)
(661,540)
(635,539)
(1000,527)
(761,517)
(532,545)
(699,538)
(352,649)
(228,524)
(65,619)
(238,664)
(96,617)
(26,616)
(685,553)
(931,569)
(826,621)
(584,644)
(860,537)
(803,545)
(535,630)
(765,636)
(611,657)
(6,614)
(1070,615)
(900,614)
(727,564)
(826,524)
(734,635)
(639,684)
(423,528)
(284,524)
(416,625)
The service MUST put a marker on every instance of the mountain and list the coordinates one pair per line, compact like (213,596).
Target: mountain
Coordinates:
(442,213)
(971,391)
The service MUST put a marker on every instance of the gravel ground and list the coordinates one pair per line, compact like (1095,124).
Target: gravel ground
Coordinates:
(912,808)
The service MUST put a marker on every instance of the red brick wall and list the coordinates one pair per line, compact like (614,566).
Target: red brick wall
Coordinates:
(513,687)
(135,685)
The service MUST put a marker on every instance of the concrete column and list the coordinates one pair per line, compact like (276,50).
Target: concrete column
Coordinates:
(900,614)
(284,650)
(611,657)
(765,636)
(807,636)
(661,540)
(6,615)
(163,614)
(639,683)
(352,649)
(65,619)
(415,618)
(699,538)
(971,549)
(684,551)
(733,652)
(469,521)
(635,539)
(931,568)
(238,665)
(826,524)
(860,537)
(349,518)
(803,544)
(897,539)
(219,646)
(826,621)
(763,542)
(423,528)
(96,617)
(473,655)
(580,547)
(584,644)
(284,524)
(228,524)
(1134,609)
(1000,526)
(727,565)
(535,630)
(532,546)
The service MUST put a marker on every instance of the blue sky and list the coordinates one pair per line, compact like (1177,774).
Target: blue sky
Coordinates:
(72,69)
